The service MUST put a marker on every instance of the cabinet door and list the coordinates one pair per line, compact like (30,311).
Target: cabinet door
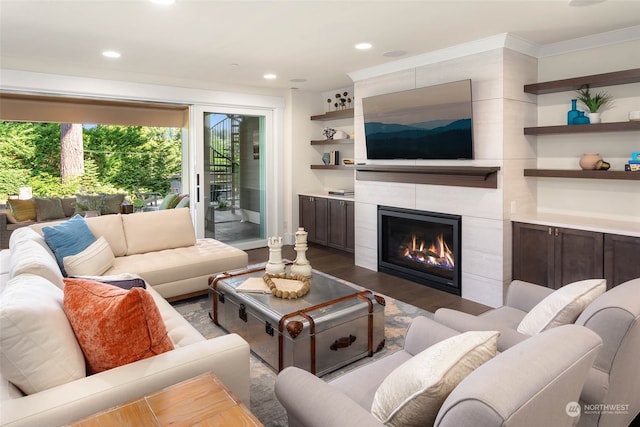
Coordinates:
(313,218)
(533,253)
(337,224)
(350,243)
(621,259)
(578,255)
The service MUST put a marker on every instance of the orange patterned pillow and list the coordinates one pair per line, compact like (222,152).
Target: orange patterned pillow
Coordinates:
(114,326)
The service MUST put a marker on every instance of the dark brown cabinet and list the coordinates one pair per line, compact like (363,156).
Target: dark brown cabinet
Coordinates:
(313,217)
(621,258)
(555,256)
(329,222)
(341,233)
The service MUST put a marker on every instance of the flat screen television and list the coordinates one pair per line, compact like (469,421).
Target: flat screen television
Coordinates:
(434,122)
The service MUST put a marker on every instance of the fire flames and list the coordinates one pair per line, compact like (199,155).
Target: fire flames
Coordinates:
(437,254)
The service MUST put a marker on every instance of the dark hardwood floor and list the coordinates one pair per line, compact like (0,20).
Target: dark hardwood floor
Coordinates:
(341,264)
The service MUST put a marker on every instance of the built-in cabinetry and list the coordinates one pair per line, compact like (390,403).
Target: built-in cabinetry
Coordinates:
(555,256)
(329,221)
(345,146)
(597,80)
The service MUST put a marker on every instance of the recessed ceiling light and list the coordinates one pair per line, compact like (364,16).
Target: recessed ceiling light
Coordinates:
(394,53)
(111,54)
(363,46)
(163,2)
(269,76)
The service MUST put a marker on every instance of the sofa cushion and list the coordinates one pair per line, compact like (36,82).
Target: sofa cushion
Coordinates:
(183,203)
(114,326)
(37,345)
(88,202)
(22,210)
(94,260)
(68,238)
(48,208)
(24,234)
(169,202)
(30,257)
(110,227)
(561,307)
(413,393)
(141,230)
(206,257)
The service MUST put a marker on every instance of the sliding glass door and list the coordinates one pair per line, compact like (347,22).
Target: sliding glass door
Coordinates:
(230,178)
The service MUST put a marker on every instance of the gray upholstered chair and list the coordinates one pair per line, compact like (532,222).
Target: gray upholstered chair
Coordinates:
(531,384)
(614,316)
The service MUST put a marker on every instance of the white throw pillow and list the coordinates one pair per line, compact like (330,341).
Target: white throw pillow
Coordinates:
(93,261)
(38,349)
(562,307)
(413,393)
(30,257)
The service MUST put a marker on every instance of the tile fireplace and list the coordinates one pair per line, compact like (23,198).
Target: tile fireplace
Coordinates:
(420,246)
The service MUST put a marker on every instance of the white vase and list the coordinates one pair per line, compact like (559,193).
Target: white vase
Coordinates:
(594,117)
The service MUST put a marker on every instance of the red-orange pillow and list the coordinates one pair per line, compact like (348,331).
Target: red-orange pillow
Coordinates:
(114,326)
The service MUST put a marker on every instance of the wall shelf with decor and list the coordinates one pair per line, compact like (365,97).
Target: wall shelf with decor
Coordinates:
(332,141)
(576,83)
(590,174)
(334,115)
(334,167)
(590,128)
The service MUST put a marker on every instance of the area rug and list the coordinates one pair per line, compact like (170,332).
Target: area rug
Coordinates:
(264,405)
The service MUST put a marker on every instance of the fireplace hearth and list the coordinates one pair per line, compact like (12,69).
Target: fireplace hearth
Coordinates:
(420,246)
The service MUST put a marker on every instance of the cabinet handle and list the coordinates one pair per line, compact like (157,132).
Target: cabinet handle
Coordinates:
(556,232)
(549,231)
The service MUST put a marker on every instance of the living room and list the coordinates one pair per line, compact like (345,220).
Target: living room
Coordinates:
(499,67)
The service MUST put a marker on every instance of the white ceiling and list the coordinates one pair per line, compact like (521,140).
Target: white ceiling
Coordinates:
(218,44)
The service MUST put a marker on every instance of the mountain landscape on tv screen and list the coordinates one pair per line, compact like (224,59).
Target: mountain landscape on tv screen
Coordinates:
(439,139)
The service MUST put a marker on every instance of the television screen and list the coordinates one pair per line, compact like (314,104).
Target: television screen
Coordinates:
(432,122)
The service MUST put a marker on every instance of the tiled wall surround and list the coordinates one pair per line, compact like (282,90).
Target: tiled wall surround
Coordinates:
(501,109)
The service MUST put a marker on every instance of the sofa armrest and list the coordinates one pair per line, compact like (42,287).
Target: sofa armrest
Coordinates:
(311,402)
(423,333)
(227,356)
(464,322)
(524,295)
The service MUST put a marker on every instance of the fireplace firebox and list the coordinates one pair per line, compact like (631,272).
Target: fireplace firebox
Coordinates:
(420,246)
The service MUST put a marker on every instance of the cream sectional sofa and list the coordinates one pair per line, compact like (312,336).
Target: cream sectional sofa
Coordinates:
(161,247)
(154,245)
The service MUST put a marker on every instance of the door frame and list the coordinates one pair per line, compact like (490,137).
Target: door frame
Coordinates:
(271,164)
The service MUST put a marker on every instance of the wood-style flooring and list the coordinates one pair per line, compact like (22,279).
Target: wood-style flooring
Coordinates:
(341,264)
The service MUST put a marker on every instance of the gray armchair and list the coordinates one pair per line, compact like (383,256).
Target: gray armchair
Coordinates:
(528,385)
(614,316)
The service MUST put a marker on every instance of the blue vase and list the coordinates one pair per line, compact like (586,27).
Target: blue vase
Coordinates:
(326,158)
(581,119)
(573,113)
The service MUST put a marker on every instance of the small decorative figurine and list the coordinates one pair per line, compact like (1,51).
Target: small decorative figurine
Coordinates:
(275,265)
(301,265)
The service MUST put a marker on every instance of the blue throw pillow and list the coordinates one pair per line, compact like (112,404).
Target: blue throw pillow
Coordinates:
(68,238)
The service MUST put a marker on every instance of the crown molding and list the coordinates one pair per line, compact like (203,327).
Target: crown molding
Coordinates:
(504,40)
(590,42)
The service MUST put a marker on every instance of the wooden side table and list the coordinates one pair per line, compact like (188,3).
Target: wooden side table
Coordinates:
(203,400)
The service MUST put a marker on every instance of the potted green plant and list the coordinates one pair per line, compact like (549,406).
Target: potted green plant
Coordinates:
(594,102)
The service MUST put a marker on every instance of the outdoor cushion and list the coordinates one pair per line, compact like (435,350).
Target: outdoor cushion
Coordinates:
(114,326)
(94,260)
(169,201)
(22,210)
(111,203)
(412,394)
(48,208)
(183,203)
(68,238)
(38,348)
(561,307)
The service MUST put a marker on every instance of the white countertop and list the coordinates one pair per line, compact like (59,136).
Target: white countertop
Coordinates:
(601,225)
(326,195)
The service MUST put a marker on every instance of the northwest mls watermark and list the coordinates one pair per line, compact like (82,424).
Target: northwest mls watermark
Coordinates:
(574,409)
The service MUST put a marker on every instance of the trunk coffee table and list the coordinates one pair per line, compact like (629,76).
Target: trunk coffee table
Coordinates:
(334,324)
